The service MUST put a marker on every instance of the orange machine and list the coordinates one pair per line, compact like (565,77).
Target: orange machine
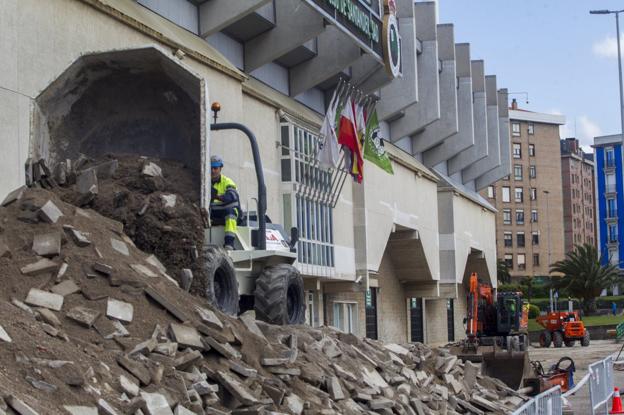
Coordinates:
(496,326)
(562,327)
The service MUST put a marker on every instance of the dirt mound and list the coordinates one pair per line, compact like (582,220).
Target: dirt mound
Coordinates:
(157,201)
(88,320)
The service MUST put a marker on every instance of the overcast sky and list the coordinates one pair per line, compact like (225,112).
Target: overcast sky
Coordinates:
(565,58)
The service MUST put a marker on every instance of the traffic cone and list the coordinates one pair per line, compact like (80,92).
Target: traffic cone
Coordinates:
(616,404)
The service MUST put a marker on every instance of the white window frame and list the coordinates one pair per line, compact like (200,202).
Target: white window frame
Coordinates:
(515,129)
(518,191)
(523,218)
(534,216)
(518,172)
(490,192)
(517,154)
(348,321)
(531,128)
(510,221)
(521,258)
(531,150)
(506,196)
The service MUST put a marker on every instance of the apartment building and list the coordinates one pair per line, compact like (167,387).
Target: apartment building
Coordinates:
(609,197)
(579,207)
(529,223)
(388,258)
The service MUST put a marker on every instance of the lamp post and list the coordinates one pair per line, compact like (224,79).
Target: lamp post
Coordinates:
(617,28)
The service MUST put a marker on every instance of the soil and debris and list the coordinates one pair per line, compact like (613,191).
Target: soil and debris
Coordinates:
(91,324)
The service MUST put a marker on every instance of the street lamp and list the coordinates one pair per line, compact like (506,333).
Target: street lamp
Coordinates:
(617,27)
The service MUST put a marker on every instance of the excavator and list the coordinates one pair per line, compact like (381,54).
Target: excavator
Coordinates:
(496,333)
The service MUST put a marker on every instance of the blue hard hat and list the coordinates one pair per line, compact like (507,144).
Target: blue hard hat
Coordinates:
(216,161)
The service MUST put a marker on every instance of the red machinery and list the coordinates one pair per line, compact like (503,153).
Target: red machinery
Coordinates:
(562,327)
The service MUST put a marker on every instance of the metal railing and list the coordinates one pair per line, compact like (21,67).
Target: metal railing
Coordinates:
(601,384)
(546,403)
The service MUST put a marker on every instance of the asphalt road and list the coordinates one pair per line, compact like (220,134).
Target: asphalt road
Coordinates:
(582,357)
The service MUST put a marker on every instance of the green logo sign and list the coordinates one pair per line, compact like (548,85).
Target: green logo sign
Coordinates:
(392,45)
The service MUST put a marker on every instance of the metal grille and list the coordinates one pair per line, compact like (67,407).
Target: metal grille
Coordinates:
(310,197)
(371,313)
(416,320)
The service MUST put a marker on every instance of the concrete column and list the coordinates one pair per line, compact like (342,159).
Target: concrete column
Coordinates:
(493,158)
(480,148)
(447,124)
(336,51)
(465,118)
(402,92)
(295,24)
(216,15)
(427,109)
(505,146)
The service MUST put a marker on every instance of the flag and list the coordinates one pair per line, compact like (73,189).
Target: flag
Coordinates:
(348,137)
(328,155)
(373,145)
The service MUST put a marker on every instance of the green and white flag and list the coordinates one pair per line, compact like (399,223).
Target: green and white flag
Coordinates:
(373,145)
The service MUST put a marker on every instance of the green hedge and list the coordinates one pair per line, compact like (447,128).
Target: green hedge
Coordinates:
(601,302)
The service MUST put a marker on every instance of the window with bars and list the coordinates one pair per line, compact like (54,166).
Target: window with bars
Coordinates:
(308,204)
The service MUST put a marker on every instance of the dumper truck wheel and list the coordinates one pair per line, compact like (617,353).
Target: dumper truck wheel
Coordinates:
(585,339)
(545,339)
(570,343)
(279,295)
(557,339)
(220,283)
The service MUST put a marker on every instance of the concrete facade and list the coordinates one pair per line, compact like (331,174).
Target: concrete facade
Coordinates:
(579,207)
(529,222)
(410,238)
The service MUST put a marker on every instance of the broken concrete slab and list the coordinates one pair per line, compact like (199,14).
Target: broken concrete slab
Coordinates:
(107,169)
(41,385)
(79,238)
(48,317)
(49,212)
(45,299)
(128,386)
(13,196)
(335,389)
(152,170)
(119,310)
(155,262)
(19,406)
(42,266)
(186,278)
(186,336)
(180,410)
(156,404)
(65,288)
(209,318)
(236,388)
(87,182)
(274,361)
(294,404)
(137,369)
(160,299)
(105,408)
(83,315)
(4,336)
(81,410)
(17,303)
(120,246)
(143,270)
(224,349)
(249,320)
(103,268)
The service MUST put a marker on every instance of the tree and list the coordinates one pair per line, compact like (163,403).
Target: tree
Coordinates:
(502,272)
(583,275)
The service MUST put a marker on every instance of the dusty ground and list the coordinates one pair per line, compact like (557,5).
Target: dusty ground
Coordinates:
(583,357)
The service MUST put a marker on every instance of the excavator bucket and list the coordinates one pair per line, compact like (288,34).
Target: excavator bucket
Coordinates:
(509,367)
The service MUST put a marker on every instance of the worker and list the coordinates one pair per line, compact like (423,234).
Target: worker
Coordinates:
(224,201)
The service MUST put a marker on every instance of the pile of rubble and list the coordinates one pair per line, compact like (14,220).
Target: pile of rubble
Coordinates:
(90,324)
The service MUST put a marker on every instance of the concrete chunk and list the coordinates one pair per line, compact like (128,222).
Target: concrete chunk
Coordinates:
(137,369)
(224,349)
(65,288)
(155,262)
(156,404)
(294,404)
(47,244)
(187,359)
(169,201)
(143,270)
(209,318)
(49,212)
(18,406)
(237,389)
(81,410)
(106,408)
(79,238)
(128,386)
(13,196)
(42,266)
(119,310)
(49,317)
(87,182)
(334,388)
(83,315)
(249,320)
(152,170)
(120,246)
(186,278)
(45,299)
(180,410)
(156,296)
(4,336)
(381,403)
(103,268)
(185,336)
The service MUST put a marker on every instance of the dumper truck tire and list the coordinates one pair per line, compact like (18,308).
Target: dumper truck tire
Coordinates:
(279,296)
(557,339)
(570,343)
(220,283)
(585,339)
(545,339)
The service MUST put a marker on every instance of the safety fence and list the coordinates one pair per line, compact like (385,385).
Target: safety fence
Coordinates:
(551,402)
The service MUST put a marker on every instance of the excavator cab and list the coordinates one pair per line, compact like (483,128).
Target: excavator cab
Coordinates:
(509,312)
